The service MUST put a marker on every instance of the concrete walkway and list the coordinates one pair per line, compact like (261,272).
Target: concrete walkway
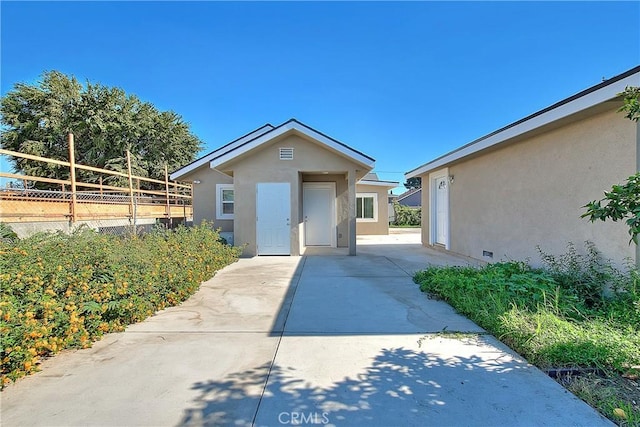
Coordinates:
(326,340)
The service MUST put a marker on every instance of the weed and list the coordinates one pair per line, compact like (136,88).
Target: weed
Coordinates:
(558,316)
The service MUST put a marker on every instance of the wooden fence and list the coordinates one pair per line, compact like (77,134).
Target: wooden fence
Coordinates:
(87,201)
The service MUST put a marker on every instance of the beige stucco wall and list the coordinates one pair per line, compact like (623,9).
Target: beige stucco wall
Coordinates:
(204,196)
(264,165)
(381,226)
(531,192)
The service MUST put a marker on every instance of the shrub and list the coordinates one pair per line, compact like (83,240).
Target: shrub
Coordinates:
(65,291)
(587,276)
(7,234)
(405,215)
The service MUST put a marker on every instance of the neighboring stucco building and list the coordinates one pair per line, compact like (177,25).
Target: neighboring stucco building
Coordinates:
(280,189)
(525,185)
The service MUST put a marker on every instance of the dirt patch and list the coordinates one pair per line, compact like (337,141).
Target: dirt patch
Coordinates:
(608,393)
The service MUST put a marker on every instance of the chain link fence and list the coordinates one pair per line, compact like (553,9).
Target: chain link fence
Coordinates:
(108,201)
(28,211)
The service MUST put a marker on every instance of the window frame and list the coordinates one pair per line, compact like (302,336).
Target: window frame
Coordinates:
(219,202)
(373,196)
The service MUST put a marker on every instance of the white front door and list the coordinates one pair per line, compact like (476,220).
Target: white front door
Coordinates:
(441,210)
(273,218)
(319,211)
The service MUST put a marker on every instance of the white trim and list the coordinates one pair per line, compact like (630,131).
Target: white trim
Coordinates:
(219,214)
(288,128)
(334,217)
(390,184)
(375,207)
(591,99)
(433,176)
(207,158)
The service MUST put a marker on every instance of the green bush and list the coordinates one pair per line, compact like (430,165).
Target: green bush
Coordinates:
(7,234)
(65,291)
(406,216)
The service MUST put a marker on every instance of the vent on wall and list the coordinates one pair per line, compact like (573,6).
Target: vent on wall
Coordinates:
(286,153)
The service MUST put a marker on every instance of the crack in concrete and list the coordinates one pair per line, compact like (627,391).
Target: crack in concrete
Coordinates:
(281,334)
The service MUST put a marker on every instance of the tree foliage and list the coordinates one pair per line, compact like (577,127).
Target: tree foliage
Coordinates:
(415,182)
(631,106)
(105,121)
(623,201)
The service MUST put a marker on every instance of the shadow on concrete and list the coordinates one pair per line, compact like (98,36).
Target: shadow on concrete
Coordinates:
(400,386)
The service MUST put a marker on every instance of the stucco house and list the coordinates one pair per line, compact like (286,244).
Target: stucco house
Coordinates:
(279,190)
(525,185)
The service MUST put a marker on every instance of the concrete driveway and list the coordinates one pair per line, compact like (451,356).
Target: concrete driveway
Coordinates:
(326,340)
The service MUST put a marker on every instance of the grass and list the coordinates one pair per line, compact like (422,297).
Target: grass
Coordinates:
(577,312)
(63,291)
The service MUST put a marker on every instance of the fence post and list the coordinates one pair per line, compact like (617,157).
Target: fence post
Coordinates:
(166,190)
(72,177)
(131,196)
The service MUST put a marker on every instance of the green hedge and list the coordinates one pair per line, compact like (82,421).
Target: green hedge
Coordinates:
(65,291)
(404,215)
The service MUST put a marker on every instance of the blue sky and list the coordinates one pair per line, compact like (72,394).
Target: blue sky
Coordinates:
(404,82)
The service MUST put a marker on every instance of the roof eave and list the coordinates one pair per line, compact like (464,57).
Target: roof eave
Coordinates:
(290,127)
(207,157)
(389,184)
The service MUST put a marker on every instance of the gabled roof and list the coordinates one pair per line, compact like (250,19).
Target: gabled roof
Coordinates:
(208,157)
(265,134)
(291,126)
(390,184)
(372,179)
(409,193)
(602,92)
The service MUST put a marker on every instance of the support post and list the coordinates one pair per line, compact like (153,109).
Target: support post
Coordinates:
(72,177)
(131,195)
(351,178)
(166,191)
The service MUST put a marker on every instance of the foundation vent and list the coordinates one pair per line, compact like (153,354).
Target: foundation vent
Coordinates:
(286,153)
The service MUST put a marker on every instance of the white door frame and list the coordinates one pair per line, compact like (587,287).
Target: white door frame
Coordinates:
(334,215)
(433,177)
(284,224)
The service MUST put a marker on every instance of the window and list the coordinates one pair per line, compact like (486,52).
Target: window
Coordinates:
(224,201)
(367,207)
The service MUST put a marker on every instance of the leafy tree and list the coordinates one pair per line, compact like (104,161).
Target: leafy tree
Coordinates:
(105,121)
(623,201)
(631,105)
(415,182)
